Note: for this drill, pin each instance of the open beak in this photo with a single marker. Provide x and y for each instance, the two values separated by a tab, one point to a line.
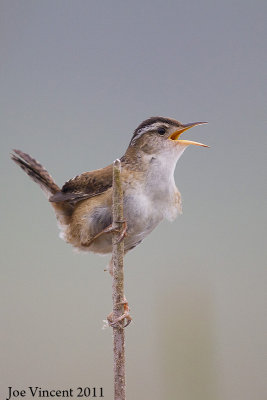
175	135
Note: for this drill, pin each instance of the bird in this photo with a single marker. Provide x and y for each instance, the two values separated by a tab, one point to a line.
83	206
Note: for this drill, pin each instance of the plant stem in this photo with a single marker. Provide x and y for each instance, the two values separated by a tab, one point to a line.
118	284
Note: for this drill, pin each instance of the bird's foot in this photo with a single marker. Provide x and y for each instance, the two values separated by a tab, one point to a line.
119	322
123	232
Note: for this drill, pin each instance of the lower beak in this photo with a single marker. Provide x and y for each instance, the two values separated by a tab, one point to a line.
175	135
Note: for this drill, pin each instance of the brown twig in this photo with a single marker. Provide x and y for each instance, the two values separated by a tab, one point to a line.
118	284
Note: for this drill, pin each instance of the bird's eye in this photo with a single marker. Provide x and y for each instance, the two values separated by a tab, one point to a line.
161	130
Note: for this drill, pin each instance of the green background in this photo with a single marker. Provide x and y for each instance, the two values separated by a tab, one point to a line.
77	77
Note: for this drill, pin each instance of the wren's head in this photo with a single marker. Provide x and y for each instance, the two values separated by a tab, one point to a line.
159	132
160	137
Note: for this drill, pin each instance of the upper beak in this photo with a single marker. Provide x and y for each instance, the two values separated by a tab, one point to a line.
175	135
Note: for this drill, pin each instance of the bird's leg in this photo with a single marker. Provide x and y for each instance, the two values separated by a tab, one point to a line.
126	315
91	240
109	229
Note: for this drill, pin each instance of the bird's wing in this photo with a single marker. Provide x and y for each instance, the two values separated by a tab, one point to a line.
84	186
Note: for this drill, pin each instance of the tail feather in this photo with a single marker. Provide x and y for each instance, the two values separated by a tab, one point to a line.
36	172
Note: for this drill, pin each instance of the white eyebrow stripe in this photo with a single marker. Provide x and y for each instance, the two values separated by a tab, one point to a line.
148	128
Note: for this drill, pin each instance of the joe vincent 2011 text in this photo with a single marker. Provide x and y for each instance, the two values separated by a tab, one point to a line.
35	391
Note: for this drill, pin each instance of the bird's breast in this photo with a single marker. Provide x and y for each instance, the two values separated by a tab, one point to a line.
144	209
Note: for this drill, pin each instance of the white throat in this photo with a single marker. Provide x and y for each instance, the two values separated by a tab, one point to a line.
160	184
161	169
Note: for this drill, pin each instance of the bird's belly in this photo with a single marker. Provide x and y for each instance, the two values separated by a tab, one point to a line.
140	214
140	222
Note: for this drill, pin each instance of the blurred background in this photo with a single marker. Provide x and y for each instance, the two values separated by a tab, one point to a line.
77	77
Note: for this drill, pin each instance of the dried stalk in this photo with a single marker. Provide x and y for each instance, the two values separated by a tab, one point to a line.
118	284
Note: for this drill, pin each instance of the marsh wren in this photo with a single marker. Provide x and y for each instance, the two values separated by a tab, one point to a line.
83	206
